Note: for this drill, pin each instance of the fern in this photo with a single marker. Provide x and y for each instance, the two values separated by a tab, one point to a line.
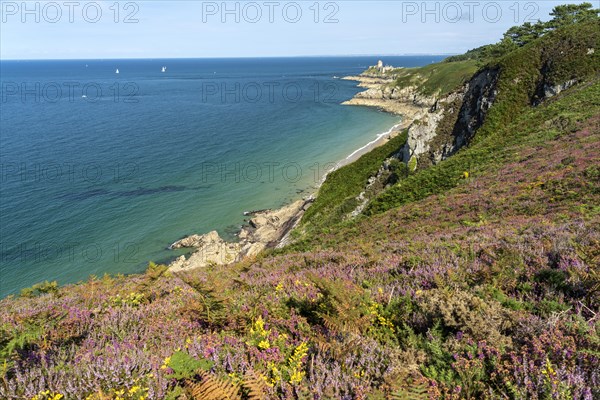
413	392
590	279
39	289
213	388
185	366
255	385
155	271
339	349
409	386
342	308
210	305
10	342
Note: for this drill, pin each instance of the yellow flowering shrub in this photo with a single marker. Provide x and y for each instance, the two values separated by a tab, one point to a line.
376	311
295	364
259	336
132	299
47	395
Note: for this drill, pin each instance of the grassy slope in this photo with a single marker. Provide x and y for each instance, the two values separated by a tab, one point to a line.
497	269
565	53
487	287
337	195
436	79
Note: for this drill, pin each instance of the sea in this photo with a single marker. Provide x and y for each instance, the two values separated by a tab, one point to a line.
104	163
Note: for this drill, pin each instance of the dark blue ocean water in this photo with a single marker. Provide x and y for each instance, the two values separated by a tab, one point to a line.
101	171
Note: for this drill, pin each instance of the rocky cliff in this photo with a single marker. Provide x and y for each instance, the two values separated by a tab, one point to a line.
438	126
266	229
479	95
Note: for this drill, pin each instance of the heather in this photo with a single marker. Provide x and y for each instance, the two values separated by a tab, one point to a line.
487	291
474	278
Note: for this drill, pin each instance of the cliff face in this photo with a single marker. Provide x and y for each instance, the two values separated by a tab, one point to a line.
438	126
423	145
452	121
479	97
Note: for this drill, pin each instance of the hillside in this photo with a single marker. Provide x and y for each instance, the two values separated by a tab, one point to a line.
488	103
471	271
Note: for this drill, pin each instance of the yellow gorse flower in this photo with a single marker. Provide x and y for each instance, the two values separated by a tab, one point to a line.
296	377
132	299
549	372
133	393
374	309
359	374
258	327
166	363
47	395
295	363
273	375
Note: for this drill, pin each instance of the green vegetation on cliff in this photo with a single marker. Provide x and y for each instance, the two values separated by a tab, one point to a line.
436	79
517	36
561	56
337	195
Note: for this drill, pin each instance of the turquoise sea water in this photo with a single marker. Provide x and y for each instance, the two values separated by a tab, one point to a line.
101	171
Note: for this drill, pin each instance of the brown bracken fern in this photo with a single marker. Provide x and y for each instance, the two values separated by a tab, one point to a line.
337	348
211	387
342	308
255	386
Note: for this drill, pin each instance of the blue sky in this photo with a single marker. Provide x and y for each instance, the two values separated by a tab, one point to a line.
172	29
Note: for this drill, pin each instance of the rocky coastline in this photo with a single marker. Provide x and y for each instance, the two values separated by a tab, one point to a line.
405	102
438	125
271	228
266	229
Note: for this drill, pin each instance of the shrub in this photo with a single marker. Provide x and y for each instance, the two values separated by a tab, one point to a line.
40	288
461	311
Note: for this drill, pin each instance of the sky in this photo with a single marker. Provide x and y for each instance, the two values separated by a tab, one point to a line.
105	29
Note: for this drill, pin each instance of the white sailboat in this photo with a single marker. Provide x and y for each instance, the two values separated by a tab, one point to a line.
164	69
117	71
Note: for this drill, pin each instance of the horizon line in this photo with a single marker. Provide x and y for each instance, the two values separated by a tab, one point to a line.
231	57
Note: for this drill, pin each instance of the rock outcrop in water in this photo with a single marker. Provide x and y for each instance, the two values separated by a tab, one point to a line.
266	229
